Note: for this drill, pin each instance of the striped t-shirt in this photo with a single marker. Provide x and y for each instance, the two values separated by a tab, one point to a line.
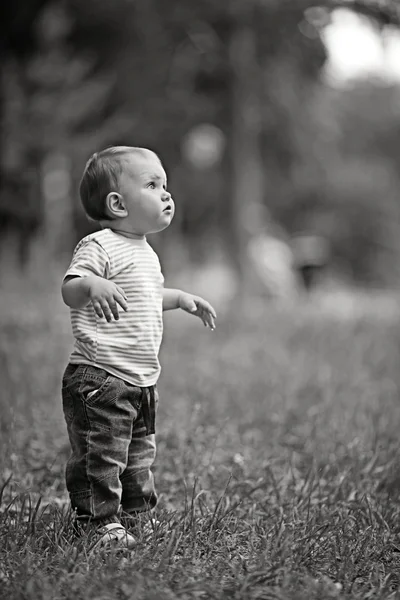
127	348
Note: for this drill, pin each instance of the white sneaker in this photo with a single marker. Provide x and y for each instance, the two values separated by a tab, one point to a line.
113	535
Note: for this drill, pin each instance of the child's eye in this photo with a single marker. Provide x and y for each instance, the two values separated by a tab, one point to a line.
152	185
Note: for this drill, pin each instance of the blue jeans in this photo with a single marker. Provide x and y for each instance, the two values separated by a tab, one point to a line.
111	430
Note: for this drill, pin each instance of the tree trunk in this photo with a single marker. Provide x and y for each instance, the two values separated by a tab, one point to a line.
246	167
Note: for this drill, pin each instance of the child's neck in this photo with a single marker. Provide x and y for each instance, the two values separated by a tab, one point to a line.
129	234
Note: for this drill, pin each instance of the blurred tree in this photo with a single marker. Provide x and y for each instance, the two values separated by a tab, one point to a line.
147	72
19	197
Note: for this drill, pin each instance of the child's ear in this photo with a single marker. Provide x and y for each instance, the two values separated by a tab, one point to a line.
115	206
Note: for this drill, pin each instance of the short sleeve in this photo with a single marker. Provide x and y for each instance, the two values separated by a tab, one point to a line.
89	258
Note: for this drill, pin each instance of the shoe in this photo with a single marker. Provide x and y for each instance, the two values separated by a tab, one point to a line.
112	535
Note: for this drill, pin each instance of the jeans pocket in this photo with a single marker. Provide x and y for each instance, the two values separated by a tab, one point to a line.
100	392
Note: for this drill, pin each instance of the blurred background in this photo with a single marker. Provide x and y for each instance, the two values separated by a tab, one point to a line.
277	121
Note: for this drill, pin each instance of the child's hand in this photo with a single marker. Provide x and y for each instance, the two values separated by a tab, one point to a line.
105	297
199	308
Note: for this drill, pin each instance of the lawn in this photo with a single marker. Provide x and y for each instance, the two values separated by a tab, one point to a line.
277	467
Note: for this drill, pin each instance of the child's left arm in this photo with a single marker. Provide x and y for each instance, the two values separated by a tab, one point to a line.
192	304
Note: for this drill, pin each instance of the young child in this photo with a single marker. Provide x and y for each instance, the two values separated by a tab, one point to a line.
109	386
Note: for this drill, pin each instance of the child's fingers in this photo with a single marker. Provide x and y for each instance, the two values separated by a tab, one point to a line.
113	308
208	316
102	309
122	300
206	306
210	322
97	308
106	307
122	292
208	319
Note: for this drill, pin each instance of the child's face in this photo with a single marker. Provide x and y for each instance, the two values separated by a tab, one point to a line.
143	187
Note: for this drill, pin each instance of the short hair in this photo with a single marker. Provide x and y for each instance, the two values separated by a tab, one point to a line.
101	176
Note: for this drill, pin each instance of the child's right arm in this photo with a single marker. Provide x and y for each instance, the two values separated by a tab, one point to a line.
78	292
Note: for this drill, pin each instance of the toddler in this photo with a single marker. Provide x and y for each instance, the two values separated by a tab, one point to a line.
114	288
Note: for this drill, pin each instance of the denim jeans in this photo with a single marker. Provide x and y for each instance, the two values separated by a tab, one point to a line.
111	430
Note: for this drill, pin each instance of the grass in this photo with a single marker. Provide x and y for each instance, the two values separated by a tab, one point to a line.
277	458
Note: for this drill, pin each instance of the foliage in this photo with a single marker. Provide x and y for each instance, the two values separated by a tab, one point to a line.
83	75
